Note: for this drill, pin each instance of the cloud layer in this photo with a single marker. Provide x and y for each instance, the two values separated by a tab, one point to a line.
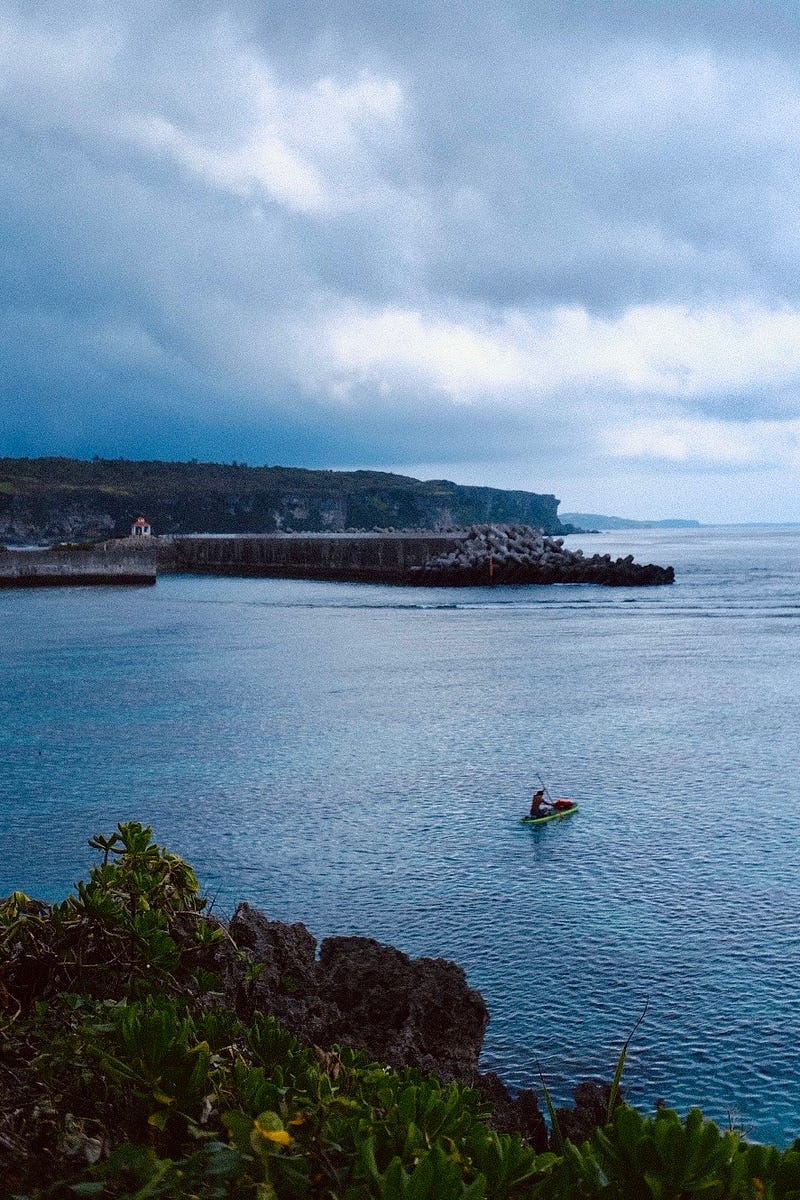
535	246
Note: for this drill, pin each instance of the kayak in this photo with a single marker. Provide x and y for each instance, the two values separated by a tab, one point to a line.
561	808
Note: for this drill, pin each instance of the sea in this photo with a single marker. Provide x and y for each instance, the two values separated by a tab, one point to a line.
358	758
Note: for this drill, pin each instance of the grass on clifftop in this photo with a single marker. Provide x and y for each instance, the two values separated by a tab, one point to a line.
123	1075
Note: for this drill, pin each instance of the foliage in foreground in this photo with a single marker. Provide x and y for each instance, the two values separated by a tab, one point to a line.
123	1076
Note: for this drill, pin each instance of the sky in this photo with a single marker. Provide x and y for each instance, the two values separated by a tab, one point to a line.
534	244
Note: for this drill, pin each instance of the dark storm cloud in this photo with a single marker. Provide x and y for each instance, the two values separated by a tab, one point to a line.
505	238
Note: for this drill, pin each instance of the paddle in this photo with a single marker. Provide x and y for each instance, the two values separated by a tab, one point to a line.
547	795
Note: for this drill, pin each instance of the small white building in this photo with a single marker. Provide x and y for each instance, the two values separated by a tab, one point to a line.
140	528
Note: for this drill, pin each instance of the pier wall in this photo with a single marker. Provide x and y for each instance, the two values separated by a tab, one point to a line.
480	556
477	557
107	563
377	558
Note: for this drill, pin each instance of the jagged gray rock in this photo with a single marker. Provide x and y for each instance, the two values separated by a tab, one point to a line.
359	992
516	554
403	1011
590	1110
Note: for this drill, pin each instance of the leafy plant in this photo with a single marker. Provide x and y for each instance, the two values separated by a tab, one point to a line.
666	1158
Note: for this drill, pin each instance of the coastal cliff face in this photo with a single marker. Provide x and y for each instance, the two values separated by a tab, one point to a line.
54	499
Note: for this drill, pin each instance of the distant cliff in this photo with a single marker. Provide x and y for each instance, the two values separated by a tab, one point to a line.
596	521
54	499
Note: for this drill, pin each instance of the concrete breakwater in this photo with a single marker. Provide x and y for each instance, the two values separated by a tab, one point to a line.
112	562
480	556
375	558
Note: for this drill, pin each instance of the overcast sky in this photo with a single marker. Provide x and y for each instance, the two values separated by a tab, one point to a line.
546	245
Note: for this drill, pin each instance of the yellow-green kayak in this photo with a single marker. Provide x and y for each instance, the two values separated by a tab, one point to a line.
561	809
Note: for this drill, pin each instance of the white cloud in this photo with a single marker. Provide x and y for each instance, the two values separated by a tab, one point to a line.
264	165
317	149
400	347
214	103
715	443
656	351
653	90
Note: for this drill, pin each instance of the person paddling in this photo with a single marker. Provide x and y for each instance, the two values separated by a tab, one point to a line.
538	806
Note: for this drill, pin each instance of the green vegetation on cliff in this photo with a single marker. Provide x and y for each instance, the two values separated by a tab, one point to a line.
122	1075
64	498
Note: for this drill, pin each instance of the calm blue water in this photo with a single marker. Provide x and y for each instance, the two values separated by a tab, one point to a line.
358	757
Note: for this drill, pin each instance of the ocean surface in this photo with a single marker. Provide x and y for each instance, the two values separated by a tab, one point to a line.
358	758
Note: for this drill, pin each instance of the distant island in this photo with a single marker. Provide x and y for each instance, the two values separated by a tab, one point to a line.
596	522
46	500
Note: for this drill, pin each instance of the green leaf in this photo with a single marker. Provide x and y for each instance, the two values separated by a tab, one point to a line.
366	1154
394	1183
612	1096
551	1112
239	1126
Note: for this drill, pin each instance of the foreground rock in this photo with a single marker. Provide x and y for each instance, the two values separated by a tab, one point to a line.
357	992
590	1111
514	554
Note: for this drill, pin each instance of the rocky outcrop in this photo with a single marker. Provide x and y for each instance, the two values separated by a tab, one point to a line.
403	1011
515	554
358	992
589	1111
518	1113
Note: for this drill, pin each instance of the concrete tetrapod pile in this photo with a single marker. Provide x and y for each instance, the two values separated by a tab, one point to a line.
521	554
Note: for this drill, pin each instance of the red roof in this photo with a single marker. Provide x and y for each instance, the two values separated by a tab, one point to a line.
140	521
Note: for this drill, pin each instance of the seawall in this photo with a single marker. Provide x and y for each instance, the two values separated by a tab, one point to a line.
115	562
477	557
480	556
376	558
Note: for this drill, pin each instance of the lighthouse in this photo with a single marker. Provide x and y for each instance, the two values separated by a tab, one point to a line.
140	528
